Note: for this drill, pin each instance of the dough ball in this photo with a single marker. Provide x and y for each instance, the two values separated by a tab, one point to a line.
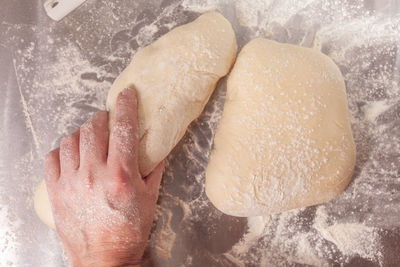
284	139
174	77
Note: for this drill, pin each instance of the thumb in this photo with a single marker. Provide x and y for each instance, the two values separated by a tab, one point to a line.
153	180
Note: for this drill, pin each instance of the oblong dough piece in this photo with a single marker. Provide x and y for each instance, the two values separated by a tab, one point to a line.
284	140
174	77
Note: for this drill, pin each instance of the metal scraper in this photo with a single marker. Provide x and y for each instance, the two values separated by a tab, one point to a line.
58	9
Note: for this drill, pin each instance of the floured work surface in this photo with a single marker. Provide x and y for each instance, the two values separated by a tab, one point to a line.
55	75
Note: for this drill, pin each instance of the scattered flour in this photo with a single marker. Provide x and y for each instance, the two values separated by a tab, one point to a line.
164	239
350	238
373	110
256	226
347	240
64	78
8	243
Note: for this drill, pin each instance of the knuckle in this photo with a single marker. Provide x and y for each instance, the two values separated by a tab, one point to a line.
117	186
124	131
123	137
119	182
124	124
88	180
97	123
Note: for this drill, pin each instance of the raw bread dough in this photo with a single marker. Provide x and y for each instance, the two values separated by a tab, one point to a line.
42	205
174	78
284	140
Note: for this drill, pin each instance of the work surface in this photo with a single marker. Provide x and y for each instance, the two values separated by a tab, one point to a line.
55	75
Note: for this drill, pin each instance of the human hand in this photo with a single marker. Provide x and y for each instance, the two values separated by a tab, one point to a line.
102	207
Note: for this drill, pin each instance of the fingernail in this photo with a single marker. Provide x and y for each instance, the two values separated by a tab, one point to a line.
127	92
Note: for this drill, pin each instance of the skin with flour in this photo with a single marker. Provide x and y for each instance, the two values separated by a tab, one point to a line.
284	140
174	78
102	206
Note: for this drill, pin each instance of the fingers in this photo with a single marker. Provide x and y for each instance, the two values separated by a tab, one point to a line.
153	180
52	167
93	140
69	152
124	137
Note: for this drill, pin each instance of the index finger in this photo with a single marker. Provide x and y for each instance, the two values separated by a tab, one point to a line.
124	134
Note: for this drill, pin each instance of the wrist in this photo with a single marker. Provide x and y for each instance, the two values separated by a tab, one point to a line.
106	250
112	258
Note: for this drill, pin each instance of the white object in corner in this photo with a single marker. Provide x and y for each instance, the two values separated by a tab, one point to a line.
57	9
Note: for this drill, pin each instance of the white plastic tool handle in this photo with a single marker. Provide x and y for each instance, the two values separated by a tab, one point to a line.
57	9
